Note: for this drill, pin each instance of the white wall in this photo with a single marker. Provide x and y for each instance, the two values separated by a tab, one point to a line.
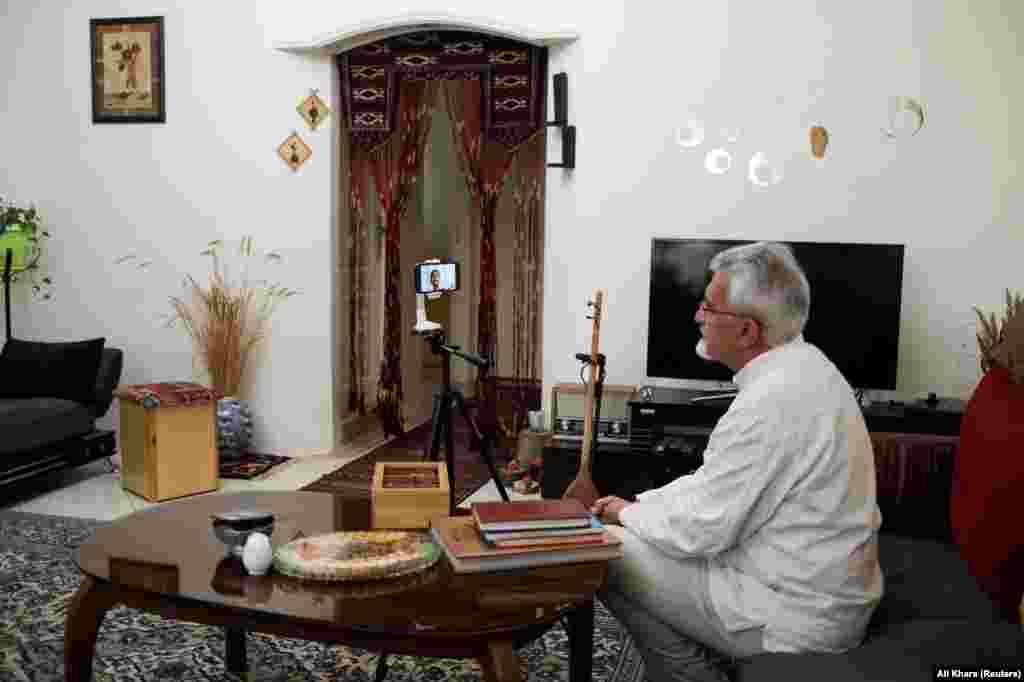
950	194
164	191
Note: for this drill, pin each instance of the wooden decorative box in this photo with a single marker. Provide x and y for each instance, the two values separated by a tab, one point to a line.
168	440
408	494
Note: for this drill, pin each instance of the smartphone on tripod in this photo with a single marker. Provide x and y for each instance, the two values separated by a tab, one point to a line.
433	276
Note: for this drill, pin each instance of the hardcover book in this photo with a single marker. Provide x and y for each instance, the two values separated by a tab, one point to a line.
552	541
460	540
524	515
595	528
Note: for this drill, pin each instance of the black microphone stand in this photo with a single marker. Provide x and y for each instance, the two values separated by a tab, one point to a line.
598	390
7	290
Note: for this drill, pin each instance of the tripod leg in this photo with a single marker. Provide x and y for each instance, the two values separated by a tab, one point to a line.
437	419
449	448
486	446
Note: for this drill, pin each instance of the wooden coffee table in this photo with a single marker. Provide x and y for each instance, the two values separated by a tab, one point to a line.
166	560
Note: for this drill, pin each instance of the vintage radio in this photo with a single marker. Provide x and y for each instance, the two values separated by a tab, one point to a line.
567	403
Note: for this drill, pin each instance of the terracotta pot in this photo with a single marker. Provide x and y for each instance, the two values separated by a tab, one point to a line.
988	489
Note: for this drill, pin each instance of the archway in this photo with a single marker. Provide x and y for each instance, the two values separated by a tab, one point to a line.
495	89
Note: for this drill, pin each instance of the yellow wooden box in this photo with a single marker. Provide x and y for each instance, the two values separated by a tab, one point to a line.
168	452
408	494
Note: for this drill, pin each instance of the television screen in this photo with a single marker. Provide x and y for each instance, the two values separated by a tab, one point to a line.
854	319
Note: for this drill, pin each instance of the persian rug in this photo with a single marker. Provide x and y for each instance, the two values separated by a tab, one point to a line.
471	473
38	578
249	465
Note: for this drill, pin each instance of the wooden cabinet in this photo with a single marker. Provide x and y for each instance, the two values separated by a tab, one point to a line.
168	452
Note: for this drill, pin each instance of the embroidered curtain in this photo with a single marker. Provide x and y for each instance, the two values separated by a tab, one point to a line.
484	165
527	196
359	172
395	166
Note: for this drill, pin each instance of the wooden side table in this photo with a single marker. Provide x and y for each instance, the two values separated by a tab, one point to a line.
168	440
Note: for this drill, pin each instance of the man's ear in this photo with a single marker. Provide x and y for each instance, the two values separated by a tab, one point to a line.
753	332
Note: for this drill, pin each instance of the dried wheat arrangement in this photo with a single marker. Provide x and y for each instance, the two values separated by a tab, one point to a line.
227	319
1001	341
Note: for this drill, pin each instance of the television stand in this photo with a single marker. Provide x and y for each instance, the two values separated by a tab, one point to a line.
674	412
668	434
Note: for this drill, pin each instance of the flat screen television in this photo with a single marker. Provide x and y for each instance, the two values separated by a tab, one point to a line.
854	318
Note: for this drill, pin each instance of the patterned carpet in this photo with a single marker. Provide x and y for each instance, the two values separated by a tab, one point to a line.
356	477
38	577
249	465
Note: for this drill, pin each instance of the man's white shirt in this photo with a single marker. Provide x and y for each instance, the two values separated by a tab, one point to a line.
783	508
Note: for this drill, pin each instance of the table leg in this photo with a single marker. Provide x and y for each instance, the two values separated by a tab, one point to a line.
501	664
81	626
234	650
581	642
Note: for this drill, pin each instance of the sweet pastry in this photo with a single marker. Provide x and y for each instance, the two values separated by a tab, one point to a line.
356	555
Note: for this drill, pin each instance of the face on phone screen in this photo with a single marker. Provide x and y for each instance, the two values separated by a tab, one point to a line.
436	277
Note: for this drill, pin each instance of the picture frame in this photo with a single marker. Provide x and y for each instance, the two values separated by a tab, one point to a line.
128	70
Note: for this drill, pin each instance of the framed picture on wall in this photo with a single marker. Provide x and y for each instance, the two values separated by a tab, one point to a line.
128	70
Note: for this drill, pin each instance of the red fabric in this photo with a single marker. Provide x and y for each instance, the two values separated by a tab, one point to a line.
527	263
484	166
169	394
395	167
359	174
987	506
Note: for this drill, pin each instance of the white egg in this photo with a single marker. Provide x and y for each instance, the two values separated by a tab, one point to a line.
258	554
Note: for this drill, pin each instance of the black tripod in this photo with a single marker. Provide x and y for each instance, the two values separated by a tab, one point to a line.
446	399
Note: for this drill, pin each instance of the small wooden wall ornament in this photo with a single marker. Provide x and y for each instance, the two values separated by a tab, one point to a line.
294	151
313	110
819	141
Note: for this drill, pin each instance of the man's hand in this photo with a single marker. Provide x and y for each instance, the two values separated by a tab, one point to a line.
607	508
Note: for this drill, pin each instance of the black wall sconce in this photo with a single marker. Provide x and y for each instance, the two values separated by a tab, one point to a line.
560	93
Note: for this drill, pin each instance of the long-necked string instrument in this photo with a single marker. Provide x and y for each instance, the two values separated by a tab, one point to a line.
582	487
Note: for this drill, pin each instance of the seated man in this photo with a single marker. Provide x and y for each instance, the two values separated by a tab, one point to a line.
771	545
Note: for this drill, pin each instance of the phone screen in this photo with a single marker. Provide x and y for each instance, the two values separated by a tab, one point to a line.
431	277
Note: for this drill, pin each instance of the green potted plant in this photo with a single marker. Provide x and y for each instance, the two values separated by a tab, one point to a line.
989	479
22	233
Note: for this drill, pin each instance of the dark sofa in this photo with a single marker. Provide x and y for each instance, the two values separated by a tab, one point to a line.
43	433
933	615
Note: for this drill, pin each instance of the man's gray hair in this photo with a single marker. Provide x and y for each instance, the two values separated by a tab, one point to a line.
767	282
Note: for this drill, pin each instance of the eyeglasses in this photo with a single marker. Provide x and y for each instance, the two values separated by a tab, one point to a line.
706	308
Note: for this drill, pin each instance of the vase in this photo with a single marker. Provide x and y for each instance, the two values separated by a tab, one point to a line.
234	426
987	489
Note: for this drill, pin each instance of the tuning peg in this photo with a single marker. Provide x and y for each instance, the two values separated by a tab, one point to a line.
590	317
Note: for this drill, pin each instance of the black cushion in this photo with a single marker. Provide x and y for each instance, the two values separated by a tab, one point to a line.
932	614
927	579
28	423
41	369
906	652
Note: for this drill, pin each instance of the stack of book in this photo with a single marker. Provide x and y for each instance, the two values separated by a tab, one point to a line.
506	535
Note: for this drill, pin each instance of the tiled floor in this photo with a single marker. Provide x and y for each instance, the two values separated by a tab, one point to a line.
94	491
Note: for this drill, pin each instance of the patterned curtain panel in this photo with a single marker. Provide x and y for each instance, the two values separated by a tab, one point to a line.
359	172
395	166
484	165
527	195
